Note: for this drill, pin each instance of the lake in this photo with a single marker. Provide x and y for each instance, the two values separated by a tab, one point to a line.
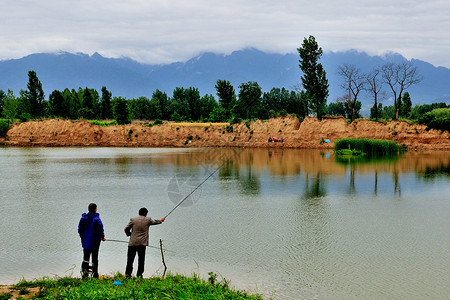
291	224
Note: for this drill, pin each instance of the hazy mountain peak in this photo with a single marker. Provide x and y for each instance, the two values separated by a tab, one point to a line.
128	78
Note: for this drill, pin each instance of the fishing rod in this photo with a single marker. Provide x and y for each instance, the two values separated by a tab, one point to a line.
179	203
119	241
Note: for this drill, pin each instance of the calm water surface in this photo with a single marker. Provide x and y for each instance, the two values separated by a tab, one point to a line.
292	224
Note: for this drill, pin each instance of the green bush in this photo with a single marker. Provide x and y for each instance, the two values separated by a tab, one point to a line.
103	123
438	118
368	146
157	122
25	117
4	127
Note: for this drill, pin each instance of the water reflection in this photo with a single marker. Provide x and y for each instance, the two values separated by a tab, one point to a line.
294	220
314	186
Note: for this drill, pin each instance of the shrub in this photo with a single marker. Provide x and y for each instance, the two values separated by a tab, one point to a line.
103	123
25	117
368	146
4	127
157	122
437	119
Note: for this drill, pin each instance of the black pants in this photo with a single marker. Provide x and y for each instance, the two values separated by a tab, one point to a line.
85	264
130	260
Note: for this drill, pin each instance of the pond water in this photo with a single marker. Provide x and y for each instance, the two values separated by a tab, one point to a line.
289	224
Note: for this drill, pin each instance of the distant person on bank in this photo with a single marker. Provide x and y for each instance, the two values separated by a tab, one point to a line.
137	229
90	229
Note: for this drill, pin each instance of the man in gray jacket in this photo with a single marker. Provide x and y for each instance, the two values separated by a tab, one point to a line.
137	230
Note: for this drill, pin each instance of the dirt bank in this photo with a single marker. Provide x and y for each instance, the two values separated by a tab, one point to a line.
296	134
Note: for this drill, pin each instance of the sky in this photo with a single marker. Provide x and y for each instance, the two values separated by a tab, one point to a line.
166	31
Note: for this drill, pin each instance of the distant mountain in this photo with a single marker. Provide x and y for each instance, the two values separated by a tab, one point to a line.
130	79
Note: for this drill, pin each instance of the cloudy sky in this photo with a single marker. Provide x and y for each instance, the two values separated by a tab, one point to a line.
165	31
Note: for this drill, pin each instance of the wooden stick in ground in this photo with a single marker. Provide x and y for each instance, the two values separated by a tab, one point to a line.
162	256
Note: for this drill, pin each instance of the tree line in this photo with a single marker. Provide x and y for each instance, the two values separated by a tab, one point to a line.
248	102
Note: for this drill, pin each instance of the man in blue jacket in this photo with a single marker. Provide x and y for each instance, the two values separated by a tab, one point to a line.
91	233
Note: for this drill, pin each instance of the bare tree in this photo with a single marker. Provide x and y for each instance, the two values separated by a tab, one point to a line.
354	83
374	87
400	77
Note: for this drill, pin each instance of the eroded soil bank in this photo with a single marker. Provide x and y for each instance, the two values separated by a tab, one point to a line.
296	134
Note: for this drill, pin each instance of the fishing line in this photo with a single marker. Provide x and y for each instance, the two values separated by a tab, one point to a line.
119	241
179	203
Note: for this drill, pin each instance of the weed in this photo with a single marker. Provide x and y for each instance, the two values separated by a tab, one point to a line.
5	296
171	287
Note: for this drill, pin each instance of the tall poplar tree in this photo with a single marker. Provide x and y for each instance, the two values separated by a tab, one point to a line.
34	95
314	77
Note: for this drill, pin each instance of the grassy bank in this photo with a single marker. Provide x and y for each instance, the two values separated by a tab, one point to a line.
119	287
369	147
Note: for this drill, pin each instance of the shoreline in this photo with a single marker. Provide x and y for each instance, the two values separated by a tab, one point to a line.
289	129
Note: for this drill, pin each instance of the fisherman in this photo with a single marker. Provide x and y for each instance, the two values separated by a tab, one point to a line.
90	229
137	229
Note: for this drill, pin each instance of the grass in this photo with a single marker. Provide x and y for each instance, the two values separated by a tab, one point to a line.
103	123
170	287
369	147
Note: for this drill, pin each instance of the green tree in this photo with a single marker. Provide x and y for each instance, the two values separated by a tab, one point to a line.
140	108
405	109
89	99
2	100
160	105
336	109
207	104
56	101
249	100
388	112
314	77
419	110
121	112
11	106
105	104
34	96
227	96
192	96
179	104
376	111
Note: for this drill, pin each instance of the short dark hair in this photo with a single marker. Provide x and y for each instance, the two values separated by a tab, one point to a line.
92	207
143	211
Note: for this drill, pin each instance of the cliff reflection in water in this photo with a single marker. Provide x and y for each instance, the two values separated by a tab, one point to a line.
318	170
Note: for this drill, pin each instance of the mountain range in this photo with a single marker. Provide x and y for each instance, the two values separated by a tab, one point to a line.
128	78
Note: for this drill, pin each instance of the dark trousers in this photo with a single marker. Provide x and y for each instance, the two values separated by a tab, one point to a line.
132	250
87	253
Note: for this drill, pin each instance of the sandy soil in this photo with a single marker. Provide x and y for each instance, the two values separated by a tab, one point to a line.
296	134
26	293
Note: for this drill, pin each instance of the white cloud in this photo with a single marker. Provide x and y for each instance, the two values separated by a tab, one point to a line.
170	30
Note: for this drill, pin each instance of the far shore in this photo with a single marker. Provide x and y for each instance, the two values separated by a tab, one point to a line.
281	132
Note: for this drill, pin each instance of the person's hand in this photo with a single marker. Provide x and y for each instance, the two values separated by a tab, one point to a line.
162	219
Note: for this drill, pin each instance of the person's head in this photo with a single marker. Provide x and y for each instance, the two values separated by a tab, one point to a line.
143	211
92	207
